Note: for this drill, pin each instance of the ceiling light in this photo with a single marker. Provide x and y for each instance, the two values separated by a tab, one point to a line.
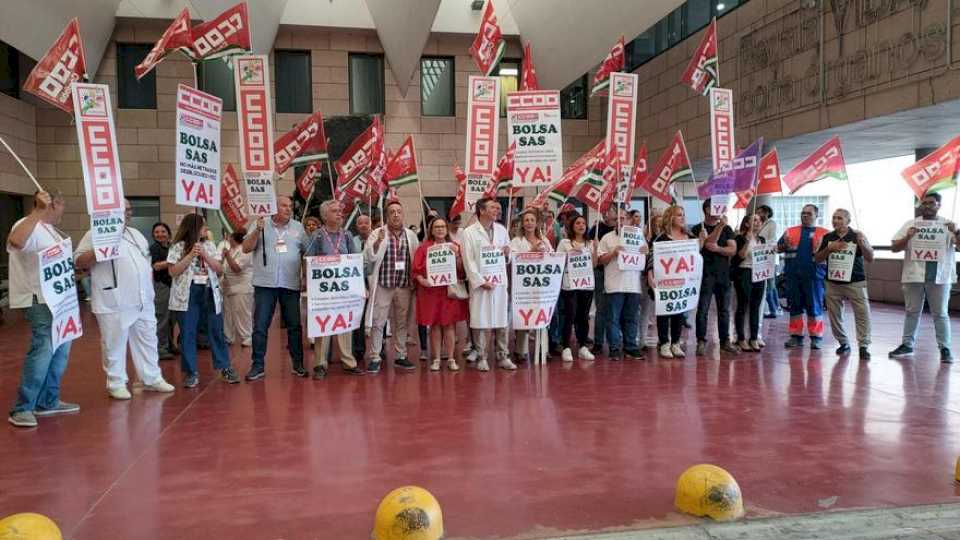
721	6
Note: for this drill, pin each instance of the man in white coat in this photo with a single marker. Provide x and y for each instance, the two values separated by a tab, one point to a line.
489	301
122	291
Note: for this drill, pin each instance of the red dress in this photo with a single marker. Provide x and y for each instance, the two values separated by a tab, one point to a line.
434	307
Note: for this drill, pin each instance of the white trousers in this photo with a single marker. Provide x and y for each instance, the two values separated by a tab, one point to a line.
139	328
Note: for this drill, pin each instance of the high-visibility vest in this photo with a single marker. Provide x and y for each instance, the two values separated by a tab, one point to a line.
793	235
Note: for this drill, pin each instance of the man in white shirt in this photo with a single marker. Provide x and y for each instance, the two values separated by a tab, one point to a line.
39	392
623	289
489	302
929	279
122	291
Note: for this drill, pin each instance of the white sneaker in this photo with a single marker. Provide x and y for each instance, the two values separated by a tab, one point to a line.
585	354
567	355
452	365
435	365
119	392
665	351
471	356
506	364
483	366
677	351
161	386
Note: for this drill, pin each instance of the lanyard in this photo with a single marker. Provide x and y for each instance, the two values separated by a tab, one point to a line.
336	247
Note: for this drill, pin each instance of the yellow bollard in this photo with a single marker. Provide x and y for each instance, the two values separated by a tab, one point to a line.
408	513
708	490
29	526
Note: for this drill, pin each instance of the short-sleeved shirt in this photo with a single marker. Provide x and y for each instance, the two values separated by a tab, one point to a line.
25	265
122	283
158	253
325	242
285	246
858	273
713	262
919	271
180	289
616	280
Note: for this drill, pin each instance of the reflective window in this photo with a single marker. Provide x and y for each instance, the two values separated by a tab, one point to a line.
366	84
437	87
215	77
294	81
131	93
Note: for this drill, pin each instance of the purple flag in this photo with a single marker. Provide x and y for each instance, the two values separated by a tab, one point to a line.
741	175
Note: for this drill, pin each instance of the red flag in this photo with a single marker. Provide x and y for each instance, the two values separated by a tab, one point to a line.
232	205
487	48
308	178
936	171
61	66
401	168
826	161
703	72
600	182
365	156
304	143
673	166
228	33
176	36
563	187
458	202
528	75
641	171
613	62
611	175
768	179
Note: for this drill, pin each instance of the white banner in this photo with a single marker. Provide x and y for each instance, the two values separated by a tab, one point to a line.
251	76
198	148
722	144
930	242
441	265
622	123
630	258
677	271
536	279
59	290
579	270
102	182
840	263
764	258
335	294
483	123
533	123
493	265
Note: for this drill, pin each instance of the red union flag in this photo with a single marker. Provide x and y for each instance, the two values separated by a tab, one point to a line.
483	122
641	170
562	188
613	62
176	36
306	142
458	203
673	166
308	178
702	72
232	206
621	122
487	48
768	179
402	166
364	157
62	65
528	75
721	128
599	181
934	172
228	33
826	161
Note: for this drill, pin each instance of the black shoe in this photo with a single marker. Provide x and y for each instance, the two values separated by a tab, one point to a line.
901	352
864	353
815	344
355	370
614	355
844	349
229	376
319	372
300	372
635	354
403	363
255	374
597	350
520	358
555	349
373	367
946	357
190	381
793	343
770	316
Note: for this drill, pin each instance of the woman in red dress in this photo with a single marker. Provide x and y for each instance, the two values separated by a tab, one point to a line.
434	308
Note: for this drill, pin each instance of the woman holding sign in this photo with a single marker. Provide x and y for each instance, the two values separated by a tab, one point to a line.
576	291
529	238
750	293
436	266
669	327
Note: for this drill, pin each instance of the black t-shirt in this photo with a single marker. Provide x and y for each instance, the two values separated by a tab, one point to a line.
858	273
713	262
158	253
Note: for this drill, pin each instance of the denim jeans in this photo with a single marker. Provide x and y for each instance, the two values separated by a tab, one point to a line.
939	298
623	312
772	297
264	303
714	287
600	313
43	367
200	304
556	323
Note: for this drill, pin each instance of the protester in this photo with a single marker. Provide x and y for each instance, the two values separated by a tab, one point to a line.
769	234
928	281
310	225
489	302
853	289
391	287
576	303
635	218
804	278
196	289
669	327
623	289
530	239
161	289
718	246
238	292
39	392
362	227
598	231
277	244
750	294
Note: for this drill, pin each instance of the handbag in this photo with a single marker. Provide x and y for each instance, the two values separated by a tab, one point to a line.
457	291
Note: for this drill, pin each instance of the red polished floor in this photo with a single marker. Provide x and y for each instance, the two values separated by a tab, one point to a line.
509	455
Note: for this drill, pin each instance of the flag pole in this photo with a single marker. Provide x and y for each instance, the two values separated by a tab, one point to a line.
24	167
853	204
329	170
423	201
306	206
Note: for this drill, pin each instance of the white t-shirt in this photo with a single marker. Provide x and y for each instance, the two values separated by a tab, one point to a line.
133	287
915	271
616	280
25	265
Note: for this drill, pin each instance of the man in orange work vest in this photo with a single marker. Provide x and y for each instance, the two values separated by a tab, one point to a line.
804	282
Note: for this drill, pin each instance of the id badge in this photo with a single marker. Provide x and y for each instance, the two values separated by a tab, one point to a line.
399	266
200	279
281	247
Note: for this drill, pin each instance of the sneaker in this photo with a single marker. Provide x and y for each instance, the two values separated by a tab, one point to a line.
255	374
901	352
634	354
298	371
755	345
160	386
119	393
793	342
614	355
165	355
423	356
520	358
946	357
482	365
23	419
744	345
701	348
62	408
566	355
729	347
229	376
403	363
470	356
319	372
452	365
864	353
435	365
815	343
761	343
355	370
843	349
506	364
677	351
665	351
373	366
190	381
585	354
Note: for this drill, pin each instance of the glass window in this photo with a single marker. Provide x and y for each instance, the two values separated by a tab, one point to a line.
699	13
675	26
9	70
215	77
660	33
641	49
724	6
131	93
573	100
437	87
509	73
146	212
294	82
366	84
786	210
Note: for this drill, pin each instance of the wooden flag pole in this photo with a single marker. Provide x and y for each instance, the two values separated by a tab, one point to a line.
306	206
24	167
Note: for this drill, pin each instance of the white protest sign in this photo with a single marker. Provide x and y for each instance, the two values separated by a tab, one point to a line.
536	279
533	123
441	265
107	233
198	148
579	276
483	121
764	258
59	290
840	263
335	294
677	271
930	242
493	265
630	258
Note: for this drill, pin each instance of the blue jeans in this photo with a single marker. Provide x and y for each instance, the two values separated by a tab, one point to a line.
201	305
43	367
264	303
938	296
556	323
623	319
772	297
600	314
